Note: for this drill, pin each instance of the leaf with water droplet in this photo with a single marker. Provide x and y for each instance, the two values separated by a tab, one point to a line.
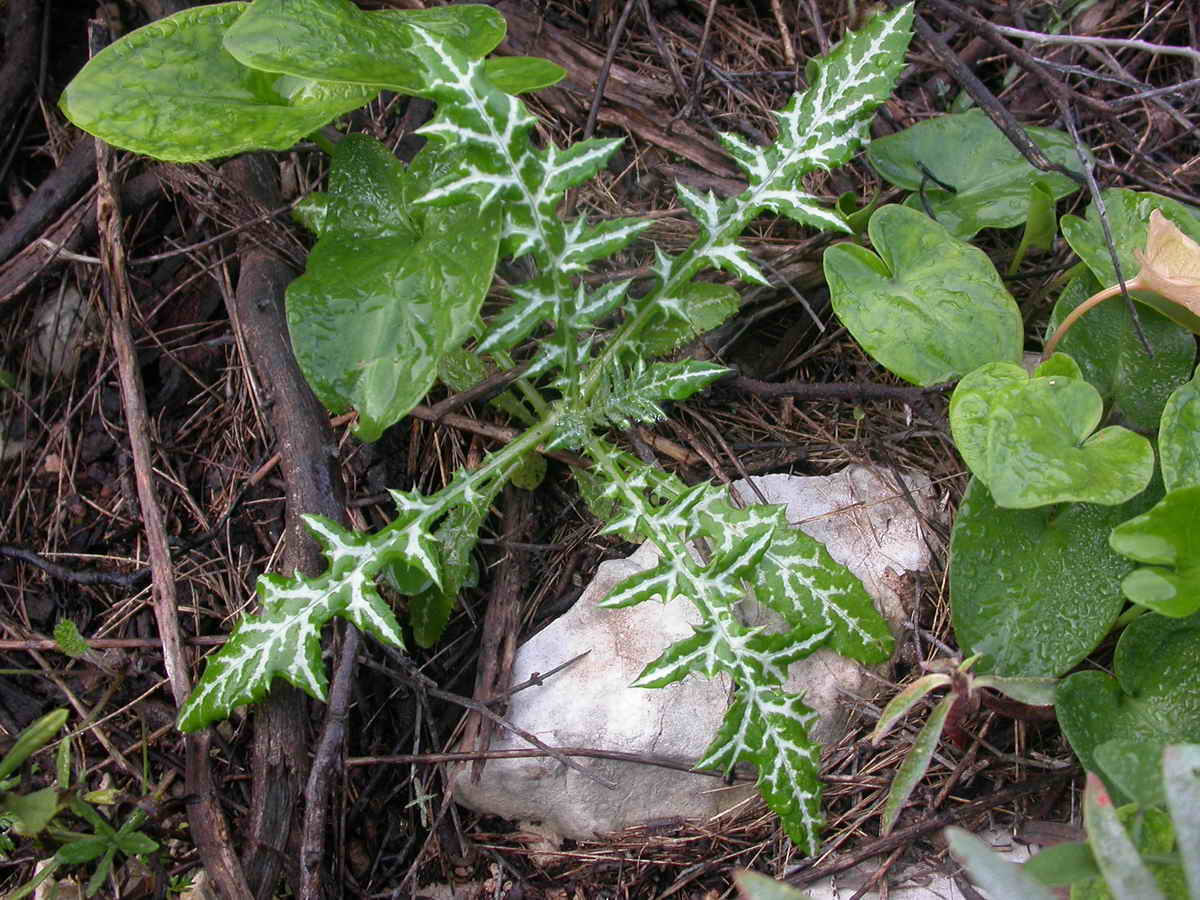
1166	540
390	285
1179	436
991	179
929	307
1154	698
1035	589
171	91
1031	440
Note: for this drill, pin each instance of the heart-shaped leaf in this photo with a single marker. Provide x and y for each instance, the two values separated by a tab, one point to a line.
1152	699
1129	214
390	286
929	307
1167	540
991	179
1030	440
1111	355
171	91
1179	436
1036	590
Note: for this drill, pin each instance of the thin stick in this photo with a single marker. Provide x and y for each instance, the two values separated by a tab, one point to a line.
205	815
1125	43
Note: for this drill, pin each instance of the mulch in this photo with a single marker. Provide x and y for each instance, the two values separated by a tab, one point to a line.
238	448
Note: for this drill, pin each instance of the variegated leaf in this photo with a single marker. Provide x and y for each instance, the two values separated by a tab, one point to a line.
285	639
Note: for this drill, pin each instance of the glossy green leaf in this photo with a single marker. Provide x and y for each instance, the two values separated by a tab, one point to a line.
1179	435
1041	225
1112	358
169	90
32	739
1036	590
1125	875
1129	218
520	74
1030	440
992	872
1063	864
991	178
915	764
1154	699
334	40
389	287
929	307
1167	539
1181	776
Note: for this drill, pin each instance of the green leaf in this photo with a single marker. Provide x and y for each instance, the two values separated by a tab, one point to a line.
929	308
169	90
1129	219
992	180
1138	774
389	288
753	886
1112	358
521	74
1153	700
429	609
899	705
82	851
69	640
135	843
1181	776
1063	864
1124	872
1168	540
1033	691
696	308
32	739
1179	435
333	40
284	640
915	764
991	872
1030	440
1040	227
1036	590
30	813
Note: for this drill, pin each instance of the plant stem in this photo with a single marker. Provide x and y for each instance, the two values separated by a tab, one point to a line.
1078	312
1127	617
326	145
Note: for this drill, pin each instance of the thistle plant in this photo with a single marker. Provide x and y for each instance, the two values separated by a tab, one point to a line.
482	183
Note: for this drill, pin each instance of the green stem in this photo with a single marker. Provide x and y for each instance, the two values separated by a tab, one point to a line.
1127	617
326	145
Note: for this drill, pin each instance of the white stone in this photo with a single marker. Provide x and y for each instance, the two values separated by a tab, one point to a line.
61	329
591	704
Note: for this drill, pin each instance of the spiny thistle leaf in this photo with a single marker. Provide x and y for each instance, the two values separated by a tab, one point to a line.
753	552
285	639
